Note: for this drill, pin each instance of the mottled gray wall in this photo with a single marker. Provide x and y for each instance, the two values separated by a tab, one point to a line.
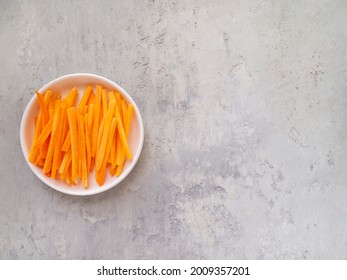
244	108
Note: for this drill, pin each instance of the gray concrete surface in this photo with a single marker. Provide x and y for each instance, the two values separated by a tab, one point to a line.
244	106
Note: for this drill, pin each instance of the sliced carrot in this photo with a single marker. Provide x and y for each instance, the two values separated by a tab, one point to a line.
64	121
92	163
114	143
105	135
104	102
96	122
85	110
84	99
67	142
51	106
100	175
47	96
100	133
65	164
68	175
91	98
44	148
44	111
82	151
113	170
34	148
71	97
122	135
127	122
90	116
81	146
44	133
48	162
39	161
71	114
124	110
57	149
64	130
113	151
111	95
119	100
88	147
119	149
35	151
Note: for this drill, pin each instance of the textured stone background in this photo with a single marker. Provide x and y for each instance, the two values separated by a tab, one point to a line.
244	108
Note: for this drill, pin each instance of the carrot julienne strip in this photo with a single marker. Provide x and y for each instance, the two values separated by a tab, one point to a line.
122	135
44	133
44	111
65	164
100	175
88	147
48	162
105	135
104	102
82	151
96	120
71	97
84	99
127	122
71	114
67	142
57	150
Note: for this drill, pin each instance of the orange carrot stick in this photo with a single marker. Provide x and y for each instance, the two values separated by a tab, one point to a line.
57	149
33	148
67	142
44	133
56	120
119	105
88	147
113	151
71	114
82	151
64	121
100	175
111	95
44	148
91	98
51	105
124	110
113	170
71	97
44	111
84	99
47	96
105	135
90	117
122	135
127	122
104	102
100	133
96	122
65	164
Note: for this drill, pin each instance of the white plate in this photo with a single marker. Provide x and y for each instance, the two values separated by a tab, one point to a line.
63	85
